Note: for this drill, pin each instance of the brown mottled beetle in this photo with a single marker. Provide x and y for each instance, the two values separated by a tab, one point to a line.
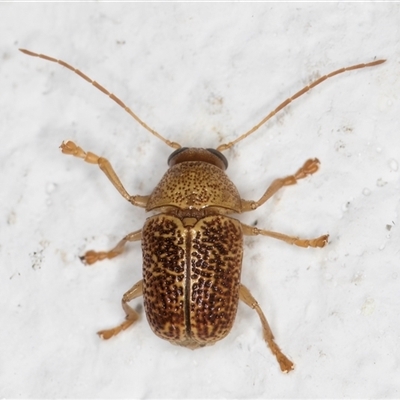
192	248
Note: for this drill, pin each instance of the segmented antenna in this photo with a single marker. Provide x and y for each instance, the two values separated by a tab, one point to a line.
227	146
105	91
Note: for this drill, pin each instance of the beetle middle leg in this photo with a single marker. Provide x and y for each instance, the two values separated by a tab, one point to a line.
317	242
131	315
285	364
309	167
72	149
91	256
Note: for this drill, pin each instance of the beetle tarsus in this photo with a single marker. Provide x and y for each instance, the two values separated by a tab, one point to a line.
90	257
310	167
131	315
109	333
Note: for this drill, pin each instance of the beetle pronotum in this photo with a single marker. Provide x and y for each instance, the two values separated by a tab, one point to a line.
192	250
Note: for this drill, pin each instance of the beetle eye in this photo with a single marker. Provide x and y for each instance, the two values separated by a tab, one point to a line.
220	156
175	153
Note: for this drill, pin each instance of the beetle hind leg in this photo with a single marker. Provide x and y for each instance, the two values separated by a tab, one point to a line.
285	364
91	256
131	315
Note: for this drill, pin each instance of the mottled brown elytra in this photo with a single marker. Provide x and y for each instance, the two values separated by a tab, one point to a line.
192	249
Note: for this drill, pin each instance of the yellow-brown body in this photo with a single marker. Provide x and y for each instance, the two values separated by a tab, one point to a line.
192	252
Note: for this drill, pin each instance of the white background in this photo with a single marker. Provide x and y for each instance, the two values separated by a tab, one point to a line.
201	74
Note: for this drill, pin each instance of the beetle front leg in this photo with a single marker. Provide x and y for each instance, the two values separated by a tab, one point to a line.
131	315
72	149
310	167
318	242
91	256
285	364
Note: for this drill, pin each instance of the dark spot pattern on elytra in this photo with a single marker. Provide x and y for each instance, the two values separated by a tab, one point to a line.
216	264
191	277
163	274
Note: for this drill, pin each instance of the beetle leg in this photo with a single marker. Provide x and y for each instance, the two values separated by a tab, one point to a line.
310	167
72	149
91	256
285	364
131	315
318	242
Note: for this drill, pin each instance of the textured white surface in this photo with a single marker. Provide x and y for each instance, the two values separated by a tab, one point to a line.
201	74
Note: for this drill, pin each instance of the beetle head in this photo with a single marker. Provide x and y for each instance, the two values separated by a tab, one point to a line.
210	156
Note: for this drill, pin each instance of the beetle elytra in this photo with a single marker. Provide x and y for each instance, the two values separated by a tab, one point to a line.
192	248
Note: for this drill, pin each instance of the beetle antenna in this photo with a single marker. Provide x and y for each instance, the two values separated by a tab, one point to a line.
105	91
227	146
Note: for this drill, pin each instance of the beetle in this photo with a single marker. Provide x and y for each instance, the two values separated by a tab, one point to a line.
192	248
